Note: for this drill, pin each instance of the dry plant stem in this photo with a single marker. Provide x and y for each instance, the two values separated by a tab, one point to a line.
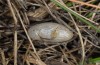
26	54
41	12
65	57
85	43
76	49
81	40
25	18
89	41
27	33
49	10
38	62
39	52
71	56
30	59
15	48
38	1
92	43
3	57
29	38
38	58
87	18
91	51
92	36
94	13
79	14
82	3
57	18
27	62
15	32
74	6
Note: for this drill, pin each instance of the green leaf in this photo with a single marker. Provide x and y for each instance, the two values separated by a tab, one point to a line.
69	4
94	60
89	15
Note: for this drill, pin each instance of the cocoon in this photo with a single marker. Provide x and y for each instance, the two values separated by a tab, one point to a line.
50	32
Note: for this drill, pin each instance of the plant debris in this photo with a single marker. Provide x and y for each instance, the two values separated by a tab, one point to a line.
17	48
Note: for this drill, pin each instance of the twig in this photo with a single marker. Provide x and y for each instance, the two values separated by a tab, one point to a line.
15	32
81	40
82	3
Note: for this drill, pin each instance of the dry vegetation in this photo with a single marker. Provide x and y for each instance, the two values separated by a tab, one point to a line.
16	47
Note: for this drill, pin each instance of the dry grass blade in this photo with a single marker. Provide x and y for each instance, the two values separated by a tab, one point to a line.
15	32
85	3
81	39
42	12
37	56
69	63
3	57
94	13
